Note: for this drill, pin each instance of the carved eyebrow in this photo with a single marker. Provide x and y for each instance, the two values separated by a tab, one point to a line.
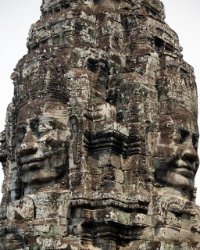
53	122
34	119
183	129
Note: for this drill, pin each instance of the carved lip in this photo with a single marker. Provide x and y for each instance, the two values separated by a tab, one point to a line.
186	170
31	164
29	159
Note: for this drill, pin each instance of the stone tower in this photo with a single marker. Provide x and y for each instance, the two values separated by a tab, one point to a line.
100	144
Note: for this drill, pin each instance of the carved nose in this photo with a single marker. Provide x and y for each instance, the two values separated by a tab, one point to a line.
27	148
28	145
189	153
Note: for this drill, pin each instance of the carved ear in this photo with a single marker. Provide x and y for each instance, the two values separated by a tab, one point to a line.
74	126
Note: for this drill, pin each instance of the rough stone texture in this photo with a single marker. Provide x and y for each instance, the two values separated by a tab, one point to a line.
100	144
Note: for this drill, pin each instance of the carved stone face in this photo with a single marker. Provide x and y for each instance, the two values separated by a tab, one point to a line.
177	150
42	142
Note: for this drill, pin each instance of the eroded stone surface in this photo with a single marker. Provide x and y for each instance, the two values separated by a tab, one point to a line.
100	144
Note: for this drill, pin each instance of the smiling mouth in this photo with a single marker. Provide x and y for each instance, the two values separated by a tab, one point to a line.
185	171
32	165
29	159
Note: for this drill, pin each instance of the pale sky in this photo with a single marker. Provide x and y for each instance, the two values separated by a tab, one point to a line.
16	17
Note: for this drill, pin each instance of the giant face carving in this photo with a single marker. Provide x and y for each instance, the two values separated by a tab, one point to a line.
42	142
177	150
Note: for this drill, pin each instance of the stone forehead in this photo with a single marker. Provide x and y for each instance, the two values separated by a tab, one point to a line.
42	107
